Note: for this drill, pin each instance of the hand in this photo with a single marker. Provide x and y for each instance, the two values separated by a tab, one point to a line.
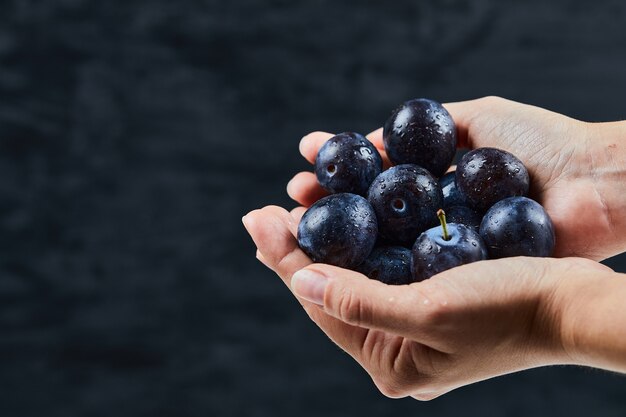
492	317
422	340
578	169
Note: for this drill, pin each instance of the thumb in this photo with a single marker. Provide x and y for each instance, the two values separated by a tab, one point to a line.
467	113
355	299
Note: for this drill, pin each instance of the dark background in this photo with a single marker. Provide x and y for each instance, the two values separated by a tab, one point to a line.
133	137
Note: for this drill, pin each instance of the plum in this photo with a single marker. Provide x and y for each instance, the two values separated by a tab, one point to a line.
517	226
347	163
421	132
406	199
339	229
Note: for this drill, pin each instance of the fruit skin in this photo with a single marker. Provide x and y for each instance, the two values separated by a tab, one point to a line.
339	229
452	196
432	254
517	226
347	163
464	215
421	132
488	175
388	264
406	199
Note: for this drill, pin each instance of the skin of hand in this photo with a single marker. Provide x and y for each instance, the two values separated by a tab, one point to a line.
464	325
488	318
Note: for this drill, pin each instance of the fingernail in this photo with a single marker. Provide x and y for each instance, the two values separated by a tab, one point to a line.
244	220
289	186
301	144
309	285
260	257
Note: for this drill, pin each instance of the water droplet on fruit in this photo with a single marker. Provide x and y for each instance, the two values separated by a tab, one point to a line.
365	151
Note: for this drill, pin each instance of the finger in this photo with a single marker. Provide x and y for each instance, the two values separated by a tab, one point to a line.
356	300
311	144
304	189
260	257
462	113
376	137
481	115
297	213
273	230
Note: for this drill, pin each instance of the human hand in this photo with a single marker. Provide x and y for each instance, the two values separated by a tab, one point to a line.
578	169
464	325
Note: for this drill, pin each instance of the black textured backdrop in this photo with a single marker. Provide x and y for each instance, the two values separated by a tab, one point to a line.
135	134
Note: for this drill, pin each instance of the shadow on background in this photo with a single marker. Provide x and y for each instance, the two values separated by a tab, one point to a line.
133	137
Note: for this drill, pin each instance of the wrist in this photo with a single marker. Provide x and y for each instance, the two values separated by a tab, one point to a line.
606	144
591	321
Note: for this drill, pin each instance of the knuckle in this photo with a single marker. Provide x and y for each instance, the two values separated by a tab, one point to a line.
351	308
404	384
435	315
490	100
391	387
436	299
427	396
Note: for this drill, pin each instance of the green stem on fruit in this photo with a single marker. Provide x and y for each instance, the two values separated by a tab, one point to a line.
442	219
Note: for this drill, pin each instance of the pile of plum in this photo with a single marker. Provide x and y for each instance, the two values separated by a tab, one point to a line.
414	220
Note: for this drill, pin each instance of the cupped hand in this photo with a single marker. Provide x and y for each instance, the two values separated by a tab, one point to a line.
487	318
572	166
422	340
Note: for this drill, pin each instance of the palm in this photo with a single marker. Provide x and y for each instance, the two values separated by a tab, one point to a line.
555	152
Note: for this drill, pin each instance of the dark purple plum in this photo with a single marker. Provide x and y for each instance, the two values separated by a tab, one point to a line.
451	194
347	163
339	229
445	247
488	175
406	199
464	215
517	226
421	132
388	264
